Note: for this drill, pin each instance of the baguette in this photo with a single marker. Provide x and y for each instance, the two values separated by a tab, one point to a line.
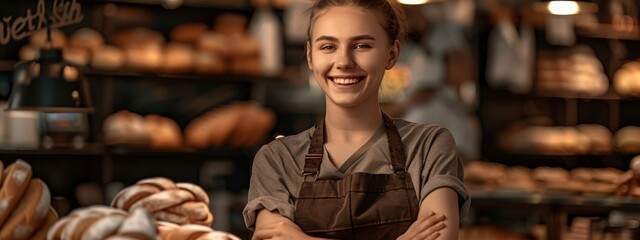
15	183
29	213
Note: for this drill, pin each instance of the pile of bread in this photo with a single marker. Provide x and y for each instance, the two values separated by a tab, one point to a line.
557	140
154	208
226	47
575	71
536	136
25	203
239	125
491	176
626	80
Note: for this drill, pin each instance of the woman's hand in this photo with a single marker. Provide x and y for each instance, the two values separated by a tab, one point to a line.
425	227
280	230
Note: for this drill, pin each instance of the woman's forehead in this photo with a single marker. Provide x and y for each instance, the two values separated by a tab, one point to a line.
345	22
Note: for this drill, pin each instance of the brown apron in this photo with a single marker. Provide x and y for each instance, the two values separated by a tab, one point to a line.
361	205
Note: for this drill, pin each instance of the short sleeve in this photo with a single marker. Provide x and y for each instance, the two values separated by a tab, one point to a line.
443	168
267	190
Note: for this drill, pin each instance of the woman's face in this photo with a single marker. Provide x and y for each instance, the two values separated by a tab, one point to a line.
348	53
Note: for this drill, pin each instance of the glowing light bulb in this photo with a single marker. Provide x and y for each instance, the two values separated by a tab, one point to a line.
563	7
413	2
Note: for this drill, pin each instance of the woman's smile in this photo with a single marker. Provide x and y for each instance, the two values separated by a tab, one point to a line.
346	81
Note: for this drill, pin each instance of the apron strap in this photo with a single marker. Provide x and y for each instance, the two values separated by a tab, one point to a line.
313	158
396	151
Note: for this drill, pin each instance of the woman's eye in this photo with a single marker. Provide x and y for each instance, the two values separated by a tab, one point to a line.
327	47
361	46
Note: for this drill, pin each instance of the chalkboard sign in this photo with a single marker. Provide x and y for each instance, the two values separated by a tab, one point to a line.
19	19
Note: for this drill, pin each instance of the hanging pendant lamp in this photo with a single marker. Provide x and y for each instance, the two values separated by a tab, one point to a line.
49	84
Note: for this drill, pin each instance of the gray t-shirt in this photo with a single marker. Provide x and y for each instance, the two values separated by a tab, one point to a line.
431	160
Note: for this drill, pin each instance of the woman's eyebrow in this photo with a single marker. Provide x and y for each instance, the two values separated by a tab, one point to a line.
354	38
327	38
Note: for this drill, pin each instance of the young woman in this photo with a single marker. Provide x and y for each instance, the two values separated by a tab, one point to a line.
357	174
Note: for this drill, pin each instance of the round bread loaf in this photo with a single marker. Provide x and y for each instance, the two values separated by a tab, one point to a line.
627	139
216	43
39	39
163	132
178	58
188	32
138	37
182	203
170	231
230	24
108	58
77	55
88	39
125	127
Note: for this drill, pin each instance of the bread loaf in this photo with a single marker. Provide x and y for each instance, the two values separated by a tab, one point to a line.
188	32
627	139
15	182
49	220
39	39
125	127
163	132
87	39
178	58
100	222
169	231
29	213
108	58
241	124
180	203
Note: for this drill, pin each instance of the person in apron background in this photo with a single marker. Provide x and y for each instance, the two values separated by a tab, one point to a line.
357	174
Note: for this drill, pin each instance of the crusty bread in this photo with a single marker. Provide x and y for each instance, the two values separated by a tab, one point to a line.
29	213
16	180
180	203
41	232
170	231
99	222
187	32
164	199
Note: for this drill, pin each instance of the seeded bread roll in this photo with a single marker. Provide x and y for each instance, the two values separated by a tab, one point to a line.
15	182
181	203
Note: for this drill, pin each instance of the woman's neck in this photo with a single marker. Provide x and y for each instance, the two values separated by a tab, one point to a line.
353	123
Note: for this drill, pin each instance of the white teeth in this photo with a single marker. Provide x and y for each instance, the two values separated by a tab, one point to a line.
346	80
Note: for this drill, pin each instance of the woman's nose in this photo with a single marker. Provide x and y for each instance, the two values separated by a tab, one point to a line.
345	59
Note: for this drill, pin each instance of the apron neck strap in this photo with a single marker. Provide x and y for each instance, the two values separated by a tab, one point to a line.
313	159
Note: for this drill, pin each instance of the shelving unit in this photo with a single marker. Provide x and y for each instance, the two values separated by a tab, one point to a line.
500	107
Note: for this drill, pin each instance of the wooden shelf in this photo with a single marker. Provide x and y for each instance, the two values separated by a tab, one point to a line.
607	31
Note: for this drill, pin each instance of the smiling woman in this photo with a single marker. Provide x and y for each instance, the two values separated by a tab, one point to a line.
357	174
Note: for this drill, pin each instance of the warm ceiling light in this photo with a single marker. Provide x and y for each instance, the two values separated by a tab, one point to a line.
563	7
413	2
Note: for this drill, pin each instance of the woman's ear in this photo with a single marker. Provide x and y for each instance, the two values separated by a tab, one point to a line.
308	46
394	54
